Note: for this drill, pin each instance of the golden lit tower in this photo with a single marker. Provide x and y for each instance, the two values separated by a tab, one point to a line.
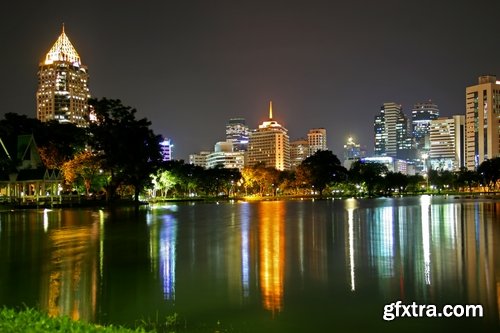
63	91
270	144
482	119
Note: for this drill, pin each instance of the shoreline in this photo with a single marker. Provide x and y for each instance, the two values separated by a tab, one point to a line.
130	203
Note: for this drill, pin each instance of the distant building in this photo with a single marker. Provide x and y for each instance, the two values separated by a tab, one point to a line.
225	156
447	143
199	159
392	132
237	132
392	164
63	90
421	117
269	144
316	139
299	151
352	152
166	148
481	121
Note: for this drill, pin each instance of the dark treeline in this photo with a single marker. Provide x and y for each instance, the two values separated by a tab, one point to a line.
118	155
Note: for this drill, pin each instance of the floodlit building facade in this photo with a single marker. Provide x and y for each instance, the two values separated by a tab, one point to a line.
237	132
391	131
225	156
299	151
166	149
447	143
199	159
316	139
270	144
482	121
63	90
421	116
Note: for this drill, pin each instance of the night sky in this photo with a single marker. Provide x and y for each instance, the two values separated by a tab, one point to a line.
189	66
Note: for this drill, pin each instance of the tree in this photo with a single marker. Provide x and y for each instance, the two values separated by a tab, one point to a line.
84	165
129	149
467	178
323	168
371	174
163	181
489	171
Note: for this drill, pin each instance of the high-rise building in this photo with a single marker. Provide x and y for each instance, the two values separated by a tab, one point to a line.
317	140
225	156
63	90
391	129
269	144
166	148
199	159
421	117
299	151
482	121
237	132
447	143
352	152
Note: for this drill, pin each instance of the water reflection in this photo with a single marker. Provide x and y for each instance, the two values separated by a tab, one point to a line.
285	257
272	254
162	248
70	278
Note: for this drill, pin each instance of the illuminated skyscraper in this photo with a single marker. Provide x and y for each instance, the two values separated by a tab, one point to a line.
299	151
447	136
63	91
421	117
237	132
392	135
482	118
317	140
270	144
166	148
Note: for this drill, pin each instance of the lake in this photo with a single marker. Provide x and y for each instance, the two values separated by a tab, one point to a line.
266	266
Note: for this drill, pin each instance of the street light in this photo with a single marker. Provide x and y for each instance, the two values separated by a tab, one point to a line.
425	156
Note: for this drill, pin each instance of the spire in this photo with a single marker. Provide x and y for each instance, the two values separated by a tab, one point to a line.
270	110
62	50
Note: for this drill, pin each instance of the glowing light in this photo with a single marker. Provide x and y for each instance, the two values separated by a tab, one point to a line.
272	254
63	50
425	201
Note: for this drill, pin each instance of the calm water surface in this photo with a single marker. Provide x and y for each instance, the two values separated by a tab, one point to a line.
273	266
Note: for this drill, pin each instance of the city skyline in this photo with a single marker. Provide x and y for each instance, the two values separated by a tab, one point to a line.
189	67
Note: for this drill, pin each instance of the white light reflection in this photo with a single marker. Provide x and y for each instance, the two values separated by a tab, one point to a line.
45	220
245	250
101	243
425	202
350	221
168	240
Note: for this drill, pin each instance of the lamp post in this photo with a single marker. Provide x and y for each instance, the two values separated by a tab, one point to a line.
425	156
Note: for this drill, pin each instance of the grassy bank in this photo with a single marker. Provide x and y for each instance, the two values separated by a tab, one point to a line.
29	320
34	321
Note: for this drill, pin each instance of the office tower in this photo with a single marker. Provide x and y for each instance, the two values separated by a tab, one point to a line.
447	138
421	117
352	152
225	156
299	151
317	140
269	144
63	91
391	130
482	117
166	148
199	159
237	132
